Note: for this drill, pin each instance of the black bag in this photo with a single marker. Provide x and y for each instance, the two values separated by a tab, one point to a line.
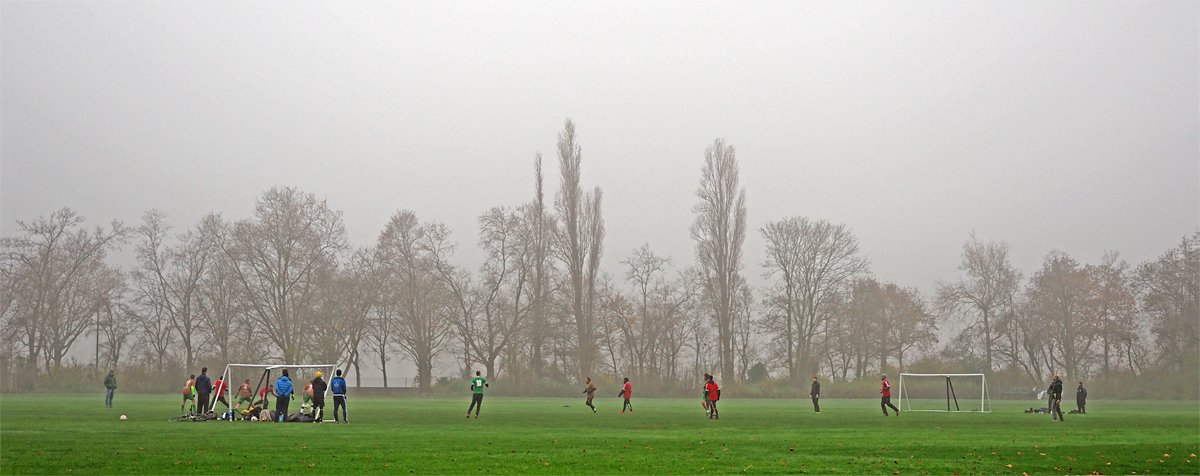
298	418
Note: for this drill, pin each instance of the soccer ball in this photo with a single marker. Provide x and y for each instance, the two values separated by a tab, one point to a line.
253	418
123	418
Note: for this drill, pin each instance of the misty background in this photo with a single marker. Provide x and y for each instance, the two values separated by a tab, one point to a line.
1047	126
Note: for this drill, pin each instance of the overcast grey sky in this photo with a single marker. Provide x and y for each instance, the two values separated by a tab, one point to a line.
1047	124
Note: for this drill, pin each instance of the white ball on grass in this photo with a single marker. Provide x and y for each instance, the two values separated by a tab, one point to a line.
253	418
123	418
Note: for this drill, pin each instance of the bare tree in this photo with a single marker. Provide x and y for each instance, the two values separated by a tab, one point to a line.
580	241
1116	305
1169	293
117	326
415	299
811	262
171	276
986	292
492	315
279	256
222	306
540	241
719	231
56	280
911	325
1060	294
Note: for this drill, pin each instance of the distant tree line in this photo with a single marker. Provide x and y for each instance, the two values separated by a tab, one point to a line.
285	285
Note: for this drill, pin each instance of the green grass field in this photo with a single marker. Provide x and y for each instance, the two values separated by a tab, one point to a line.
77	435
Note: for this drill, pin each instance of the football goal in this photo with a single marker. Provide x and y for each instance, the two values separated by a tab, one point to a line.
926	391
261	375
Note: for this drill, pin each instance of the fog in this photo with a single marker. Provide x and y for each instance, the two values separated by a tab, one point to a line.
1049	125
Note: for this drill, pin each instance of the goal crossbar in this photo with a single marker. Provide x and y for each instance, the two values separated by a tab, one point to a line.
985	400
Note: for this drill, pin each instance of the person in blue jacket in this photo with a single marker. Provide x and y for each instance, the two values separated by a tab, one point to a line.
283	390
338	386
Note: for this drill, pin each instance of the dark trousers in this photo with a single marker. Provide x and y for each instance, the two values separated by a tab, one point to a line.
627	405
202	402
222	400
476	403
281	407
816	404
887	402
339	401
589	404
318	407
712	408
108	397
1056	410
1082	404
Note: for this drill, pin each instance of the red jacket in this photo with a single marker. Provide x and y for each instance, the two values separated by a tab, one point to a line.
714	391
628	390
886	389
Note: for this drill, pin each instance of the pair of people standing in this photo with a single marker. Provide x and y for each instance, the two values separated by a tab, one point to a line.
197	389
284	394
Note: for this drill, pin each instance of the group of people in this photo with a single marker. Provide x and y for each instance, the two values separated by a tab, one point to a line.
1055	392
199	389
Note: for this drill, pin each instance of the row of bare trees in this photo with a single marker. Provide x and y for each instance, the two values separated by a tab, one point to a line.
285	285
1077	319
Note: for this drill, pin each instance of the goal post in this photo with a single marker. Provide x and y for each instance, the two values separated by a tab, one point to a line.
262	373
937	386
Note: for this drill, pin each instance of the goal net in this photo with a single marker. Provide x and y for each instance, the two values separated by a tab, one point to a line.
944	393
260	376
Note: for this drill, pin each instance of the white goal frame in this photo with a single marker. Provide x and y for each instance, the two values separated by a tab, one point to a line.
227	374
985	397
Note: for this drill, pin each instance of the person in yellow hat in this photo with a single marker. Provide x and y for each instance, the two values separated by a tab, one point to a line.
318	397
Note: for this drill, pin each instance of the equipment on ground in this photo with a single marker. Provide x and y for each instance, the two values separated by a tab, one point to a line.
123	418
930	386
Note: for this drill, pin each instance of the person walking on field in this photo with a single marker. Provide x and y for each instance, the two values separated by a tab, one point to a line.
1056	413
338	385
203	389
627	392
886	392
1080	398
714	394
110	383
591	393
815	393
318	398
283	391
477	385
189	393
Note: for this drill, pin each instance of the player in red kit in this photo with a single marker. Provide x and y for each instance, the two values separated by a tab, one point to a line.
886	391
714	394
627	392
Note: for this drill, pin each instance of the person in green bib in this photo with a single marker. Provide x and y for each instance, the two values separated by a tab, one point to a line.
477	385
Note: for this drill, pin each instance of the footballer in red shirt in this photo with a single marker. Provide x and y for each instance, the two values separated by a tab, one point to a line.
714	394
886	401
627	392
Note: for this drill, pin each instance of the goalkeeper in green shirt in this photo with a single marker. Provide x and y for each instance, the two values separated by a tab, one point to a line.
477	385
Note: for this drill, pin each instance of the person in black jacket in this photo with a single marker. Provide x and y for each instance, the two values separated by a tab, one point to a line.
204	387
815	393
1081	398
318	398
1056	413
